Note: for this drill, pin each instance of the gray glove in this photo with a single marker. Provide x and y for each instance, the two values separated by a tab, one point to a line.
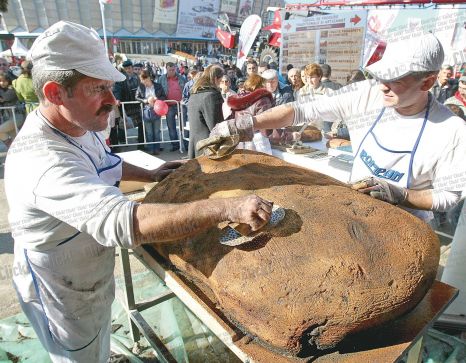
226	135
382	190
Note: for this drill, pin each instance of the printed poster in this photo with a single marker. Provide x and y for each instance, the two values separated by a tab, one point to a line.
165	11
197	18
242	10
229	7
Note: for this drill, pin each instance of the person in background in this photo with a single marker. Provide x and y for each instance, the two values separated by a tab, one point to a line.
254	100
314	88
147	93
24	88
326	74
312	80
240	84
125	91
225	88
137	68
281	95
445	86
204	106
459	99
281	79
356	75
231	73
294	77
7	98
5	69
193	74
173	88
251	68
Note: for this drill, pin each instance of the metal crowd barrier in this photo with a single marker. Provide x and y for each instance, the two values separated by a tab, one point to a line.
12	110
179	126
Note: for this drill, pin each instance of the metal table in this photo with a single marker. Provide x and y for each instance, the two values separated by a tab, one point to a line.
387	343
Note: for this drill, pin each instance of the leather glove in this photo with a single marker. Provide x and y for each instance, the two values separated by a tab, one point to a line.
226	135
382	190
217	147
242	125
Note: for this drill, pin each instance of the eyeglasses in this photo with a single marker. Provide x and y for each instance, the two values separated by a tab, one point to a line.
3	64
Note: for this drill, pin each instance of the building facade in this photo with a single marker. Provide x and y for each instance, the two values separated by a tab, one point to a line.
141	27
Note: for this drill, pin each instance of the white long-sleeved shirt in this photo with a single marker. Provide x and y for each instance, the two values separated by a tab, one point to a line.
439	160
53	191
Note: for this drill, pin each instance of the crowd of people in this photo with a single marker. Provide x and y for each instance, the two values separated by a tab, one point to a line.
147	82
16	90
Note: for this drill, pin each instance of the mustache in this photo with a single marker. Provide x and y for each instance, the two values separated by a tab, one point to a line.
104	109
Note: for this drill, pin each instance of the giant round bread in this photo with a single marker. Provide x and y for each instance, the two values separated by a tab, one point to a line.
339	262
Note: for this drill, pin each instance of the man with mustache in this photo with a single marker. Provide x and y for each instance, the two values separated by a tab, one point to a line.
67	214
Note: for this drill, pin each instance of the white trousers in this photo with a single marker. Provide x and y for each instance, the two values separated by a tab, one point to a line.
96	352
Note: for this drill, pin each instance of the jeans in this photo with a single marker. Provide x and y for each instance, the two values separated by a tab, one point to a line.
184	109
152	127
171	124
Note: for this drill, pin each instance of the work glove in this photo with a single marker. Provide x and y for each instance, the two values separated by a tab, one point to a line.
226	135
382	190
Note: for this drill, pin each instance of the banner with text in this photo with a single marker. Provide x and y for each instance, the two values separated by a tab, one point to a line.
197	19
165	11
336	39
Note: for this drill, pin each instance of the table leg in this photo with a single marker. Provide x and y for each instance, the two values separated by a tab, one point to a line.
128	292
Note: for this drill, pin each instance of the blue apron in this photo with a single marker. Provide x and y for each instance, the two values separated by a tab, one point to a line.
372	158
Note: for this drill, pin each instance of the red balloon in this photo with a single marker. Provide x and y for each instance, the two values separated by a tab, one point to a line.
160	108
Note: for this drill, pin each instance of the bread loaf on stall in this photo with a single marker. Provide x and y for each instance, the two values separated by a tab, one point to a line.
338	263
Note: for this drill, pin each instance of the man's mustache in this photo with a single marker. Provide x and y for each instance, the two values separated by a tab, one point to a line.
104	109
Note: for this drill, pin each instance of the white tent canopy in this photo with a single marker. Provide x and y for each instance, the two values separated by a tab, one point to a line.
19	50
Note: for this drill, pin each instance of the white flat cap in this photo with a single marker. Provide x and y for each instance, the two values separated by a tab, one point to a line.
66	45
416	54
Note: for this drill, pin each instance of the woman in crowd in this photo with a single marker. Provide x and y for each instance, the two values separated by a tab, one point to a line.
204	106
312	80
7	98
313	76
254	100
24	89
148	92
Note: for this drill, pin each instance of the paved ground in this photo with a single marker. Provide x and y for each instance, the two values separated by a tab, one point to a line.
8	304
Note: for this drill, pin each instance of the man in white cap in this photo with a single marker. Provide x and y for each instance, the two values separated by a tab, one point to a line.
281	95
66	211
409	149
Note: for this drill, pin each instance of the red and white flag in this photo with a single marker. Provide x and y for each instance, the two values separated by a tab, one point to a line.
247	34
